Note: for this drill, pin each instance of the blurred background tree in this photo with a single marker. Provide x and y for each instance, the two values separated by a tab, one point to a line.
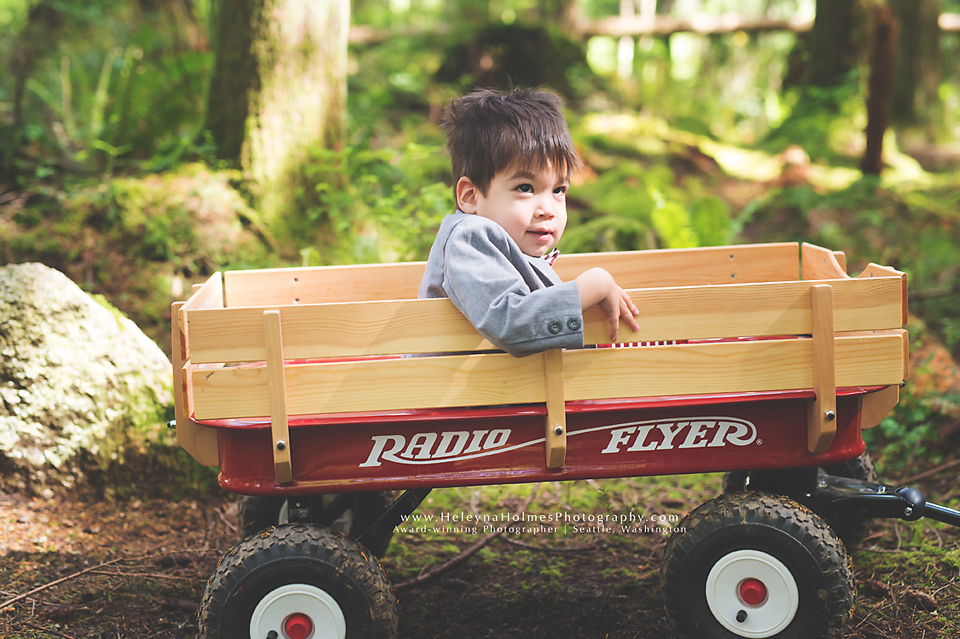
277	89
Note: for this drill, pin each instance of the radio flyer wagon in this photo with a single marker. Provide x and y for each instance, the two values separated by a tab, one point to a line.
763	361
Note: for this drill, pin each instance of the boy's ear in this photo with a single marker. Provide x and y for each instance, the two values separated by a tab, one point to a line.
467	194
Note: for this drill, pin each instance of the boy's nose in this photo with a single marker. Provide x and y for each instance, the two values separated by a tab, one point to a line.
545	210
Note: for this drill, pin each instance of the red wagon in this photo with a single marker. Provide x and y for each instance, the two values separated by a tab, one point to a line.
762	361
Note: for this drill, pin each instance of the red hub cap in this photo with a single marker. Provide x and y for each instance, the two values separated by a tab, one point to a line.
753	592
297	626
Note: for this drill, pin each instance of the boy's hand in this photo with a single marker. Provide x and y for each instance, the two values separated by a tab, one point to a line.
598	288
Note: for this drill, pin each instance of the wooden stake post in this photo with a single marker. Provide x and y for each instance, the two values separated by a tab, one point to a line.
822	411
556	426
278	397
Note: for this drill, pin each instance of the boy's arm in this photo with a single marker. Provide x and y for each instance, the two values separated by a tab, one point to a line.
482	277
598	288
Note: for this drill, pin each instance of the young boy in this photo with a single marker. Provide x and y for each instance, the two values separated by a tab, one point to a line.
512	157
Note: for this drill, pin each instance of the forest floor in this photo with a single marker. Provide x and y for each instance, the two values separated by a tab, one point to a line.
112	570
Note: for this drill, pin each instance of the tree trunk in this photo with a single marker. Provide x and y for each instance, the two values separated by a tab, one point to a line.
918	69
278	89
883	47
833	43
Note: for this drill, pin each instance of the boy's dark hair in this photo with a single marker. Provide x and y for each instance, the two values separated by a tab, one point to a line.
489	131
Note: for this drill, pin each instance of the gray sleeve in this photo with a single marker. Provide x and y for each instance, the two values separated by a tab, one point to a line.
482	277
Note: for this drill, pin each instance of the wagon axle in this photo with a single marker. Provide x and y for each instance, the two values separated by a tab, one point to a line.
837	495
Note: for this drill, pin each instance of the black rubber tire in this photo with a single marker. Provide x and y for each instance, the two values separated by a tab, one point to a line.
259	513
851	527
298	554
781	528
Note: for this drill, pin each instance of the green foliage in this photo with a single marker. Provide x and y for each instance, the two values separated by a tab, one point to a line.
13	14
826	122
636	204
133	239
377	205
391	91
115	83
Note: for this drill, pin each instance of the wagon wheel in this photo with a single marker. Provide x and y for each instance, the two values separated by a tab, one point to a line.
756	565
852	526
350	513
298	581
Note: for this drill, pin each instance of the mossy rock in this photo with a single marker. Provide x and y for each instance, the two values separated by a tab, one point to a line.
84	394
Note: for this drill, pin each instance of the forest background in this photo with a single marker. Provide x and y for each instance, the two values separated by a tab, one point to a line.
129	155
133	156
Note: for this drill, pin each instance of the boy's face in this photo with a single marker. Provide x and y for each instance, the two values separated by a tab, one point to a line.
530	204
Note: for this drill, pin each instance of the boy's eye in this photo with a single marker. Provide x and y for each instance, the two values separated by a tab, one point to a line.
525	188
561	190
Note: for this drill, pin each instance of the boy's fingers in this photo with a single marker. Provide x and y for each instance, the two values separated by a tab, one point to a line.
630	305
628	313
614	324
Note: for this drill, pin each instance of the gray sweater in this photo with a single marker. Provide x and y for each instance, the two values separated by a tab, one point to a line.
514	300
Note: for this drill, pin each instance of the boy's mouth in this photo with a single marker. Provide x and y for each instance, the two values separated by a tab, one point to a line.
541	234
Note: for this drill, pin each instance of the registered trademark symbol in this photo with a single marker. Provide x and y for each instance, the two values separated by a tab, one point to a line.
759	441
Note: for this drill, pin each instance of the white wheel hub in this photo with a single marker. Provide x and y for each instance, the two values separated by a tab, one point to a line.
294	601
752	594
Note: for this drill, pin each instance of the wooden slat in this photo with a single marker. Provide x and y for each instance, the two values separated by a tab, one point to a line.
336	330
277	391
822	411
322	284
556	419
636	269
479	380
817	263
689	267
423	326
736	366
777	308
198	440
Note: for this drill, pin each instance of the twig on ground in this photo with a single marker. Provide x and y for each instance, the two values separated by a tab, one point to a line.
229	525
14	600
931	472
147	575
866	618
466	554
47	630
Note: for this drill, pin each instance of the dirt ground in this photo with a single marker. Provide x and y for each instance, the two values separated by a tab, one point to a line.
110	570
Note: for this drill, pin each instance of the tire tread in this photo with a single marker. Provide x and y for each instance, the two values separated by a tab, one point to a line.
299	541
754	508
